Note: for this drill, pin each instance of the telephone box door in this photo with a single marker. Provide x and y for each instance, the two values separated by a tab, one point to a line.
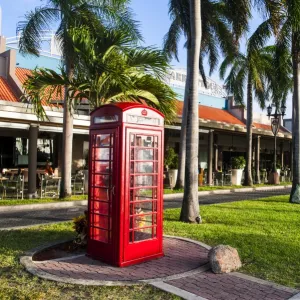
102	202
143	228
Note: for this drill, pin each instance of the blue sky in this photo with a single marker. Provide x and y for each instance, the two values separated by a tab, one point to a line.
152	15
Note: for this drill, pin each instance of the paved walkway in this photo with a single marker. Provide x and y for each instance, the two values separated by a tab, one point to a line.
183	271
15	217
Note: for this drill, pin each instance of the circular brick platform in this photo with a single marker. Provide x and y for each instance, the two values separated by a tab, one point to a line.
182	258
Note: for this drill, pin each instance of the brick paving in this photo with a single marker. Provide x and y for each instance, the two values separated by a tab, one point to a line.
228	287
180	256
183	260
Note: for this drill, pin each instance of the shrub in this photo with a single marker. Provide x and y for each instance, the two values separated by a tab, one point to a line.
81	228
238	162
171	159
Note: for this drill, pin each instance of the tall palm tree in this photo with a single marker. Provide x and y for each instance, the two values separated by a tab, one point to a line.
108	70
288	37
68	15
221	29
190	206
256	71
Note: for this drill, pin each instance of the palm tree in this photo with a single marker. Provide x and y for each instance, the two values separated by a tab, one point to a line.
288	38
71	14
256	70
190	207
221	28
108	70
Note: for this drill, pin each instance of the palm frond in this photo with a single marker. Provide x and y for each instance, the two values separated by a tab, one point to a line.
32	29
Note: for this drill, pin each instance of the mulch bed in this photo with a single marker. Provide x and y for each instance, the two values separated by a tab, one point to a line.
61	250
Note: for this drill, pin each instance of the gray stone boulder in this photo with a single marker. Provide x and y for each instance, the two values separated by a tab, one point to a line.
224	259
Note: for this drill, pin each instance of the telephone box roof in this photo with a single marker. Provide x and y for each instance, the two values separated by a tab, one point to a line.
123	106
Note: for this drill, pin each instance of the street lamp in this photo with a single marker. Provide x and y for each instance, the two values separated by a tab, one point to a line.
275	122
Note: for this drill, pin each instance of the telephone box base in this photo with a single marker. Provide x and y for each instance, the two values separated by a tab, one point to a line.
126	263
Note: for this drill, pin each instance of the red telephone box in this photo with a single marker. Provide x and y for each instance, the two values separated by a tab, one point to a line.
125	184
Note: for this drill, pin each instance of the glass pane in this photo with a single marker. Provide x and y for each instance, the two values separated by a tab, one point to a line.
143	167
101	207
106	119
101	235
102	167
141	194
101	180
144	207
132	139
143	154
101	221
103	140
100	194
154	231
103	153
143	180
142	234
141	221
144	141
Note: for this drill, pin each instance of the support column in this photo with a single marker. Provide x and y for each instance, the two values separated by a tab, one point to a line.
216	152
210	157
291	161
257	160
32	160
281	155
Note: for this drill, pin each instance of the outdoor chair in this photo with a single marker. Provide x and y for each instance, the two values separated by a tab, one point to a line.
13	187
78	184
218	178
2	190
227	178
50	186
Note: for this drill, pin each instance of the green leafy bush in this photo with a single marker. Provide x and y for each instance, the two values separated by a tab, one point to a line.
238	162
81	228
171	159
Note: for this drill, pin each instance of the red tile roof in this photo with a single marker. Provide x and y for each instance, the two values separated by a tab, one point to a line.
6	92
213	114
22	75
268	127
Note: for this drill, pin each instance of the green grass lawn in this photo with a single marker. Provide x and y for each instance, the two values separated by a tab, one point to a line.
38	201
225	187
16	283
266	233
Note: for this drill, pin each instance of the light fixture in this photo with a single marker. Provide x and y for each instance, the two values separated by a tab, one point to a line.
283	109
269	110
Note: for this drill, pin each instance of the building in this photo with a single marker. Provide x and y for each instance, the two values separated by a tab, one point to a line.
222	131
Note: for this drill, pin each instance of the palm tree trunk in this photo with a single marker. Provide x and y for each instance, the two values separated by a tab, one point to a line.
190	204
248	173
295	192
66	170
182	145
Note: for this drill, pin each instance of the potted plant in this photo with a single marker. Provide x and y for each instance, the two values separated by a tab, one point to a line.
238	165
278	168
171	164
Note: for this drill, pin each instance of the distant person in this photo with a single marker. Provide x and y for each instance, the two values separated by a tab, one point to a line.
48	168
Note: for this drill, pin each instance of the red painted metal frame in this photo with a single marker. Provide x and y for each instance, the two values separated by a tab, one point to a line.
121	252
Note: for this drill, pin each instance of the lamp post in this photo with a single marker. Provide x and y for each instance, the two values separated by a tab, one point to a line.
275	122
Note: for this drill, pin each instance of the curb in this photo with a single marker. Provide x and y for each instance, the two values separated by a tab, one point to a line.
12	208
264	282
229	191
30	266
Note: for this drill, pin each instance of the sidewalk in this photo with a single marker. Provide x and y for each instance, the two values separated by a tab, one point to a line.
167	197
183	271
